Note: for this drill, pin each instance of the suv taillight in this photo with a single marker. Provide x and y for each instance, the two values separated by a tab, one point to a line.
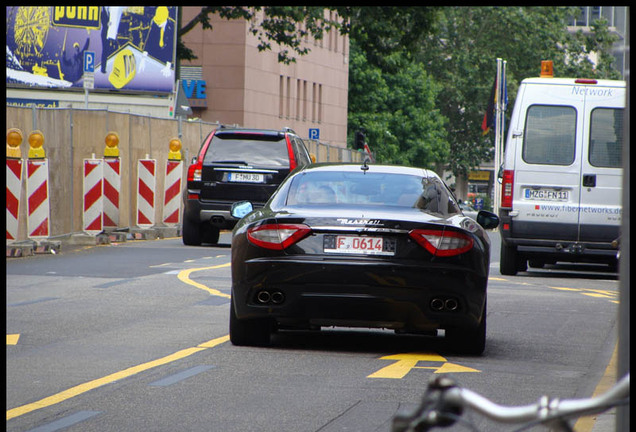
290	150
506	188
443	243
194	171
277	236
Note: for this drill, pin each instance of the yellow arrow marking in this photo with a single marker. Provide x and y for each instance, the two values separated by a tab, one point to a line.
454	368
12	339
405	362
184	276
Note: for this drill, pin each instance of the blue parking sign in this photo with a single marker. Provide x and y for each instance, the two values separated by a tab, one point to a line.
89	61
314	133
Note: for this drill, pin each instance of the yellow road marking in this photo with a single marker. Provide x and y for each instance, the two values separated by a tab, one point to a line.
405	362
585	424
184	276
12	339
83	388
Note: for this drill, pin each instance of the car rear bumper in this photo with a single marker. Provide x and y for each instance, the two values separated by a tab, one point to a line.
215	212
564	250
306	293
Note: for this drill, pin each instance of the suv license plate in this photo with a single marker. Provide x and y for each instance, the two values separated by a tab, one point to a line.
358	245
245	177
546	195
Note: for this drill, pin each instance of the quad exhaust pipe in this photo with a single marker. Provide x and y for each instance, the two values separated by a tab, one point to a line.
449	304
265	297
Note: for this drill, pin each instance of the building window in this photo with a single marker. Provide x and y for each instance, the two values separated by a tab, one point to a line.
314	99
298	98
305	100
289	96
281	93
319	103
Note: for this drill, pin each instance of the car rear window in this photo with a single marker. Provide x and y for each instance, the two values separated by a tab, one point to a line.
375	189
260	150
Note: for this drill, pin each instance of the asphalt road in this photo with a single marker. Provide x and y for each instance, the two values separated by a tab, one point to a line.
133	336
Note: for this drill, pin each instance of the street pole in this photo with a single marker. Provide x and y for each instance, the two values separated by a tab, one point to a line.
500	108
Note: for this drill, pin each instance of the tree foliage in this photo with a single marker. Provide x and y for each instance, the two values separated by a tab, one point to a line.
397	111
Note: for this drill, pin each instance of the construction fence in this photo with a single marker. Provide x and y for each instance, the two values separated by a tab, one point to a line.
71	136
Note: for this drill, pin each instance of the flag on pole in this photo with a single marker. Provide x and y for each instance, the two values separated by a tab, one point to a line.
489	116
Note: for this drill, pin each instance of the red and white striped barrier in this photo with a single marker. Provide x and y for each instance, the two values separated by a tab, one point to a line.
93	192
146	181
172	192
38	208
14	189
112	184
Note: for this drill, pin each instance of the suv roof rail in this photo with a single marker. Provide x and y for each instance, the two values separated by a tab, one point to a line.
288	129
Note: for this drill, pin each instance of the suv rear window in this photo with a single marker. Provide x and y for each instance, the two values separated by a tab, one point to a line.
550	135
260	150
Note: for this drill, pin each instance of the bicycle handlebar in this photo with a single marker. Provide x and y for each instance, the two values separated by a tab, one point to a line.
443	403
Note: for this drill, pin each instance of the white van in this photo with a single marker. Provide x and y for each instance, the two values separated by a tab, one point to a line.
562	174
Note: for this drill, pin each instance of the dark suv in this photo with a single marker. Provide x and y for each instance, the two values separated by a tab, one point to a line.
235	165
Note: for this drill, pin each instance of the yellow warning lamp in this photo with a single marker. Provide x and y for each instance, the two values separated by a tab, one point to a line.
112	143
14	139
175	149
546	69
36	140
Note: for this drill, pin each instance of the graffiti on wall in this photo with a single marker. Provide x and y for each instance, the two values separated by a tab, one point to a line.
134	47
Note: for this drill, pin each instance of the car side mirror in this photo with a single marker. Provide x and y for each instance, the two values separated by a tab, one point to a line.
488	220
194	160
240	209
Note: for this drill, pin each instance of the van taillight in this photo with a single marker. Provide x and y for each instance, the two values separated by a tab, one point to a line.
506	188
194	171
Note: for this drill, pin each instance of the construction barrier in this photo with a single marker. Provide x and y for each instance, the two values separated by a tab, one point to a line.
14	189
38	208
92	223
112	185
146	182
172	193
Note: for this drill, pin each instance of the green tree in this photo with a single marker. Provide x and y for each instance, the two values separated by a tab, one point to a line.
461	54
397	111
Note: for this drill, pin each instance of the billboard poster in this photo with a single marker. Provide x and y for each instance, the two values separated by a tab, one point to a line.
132	48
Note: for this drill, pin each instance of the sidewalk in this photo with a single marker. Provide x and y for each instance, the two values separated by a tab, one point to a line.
57	244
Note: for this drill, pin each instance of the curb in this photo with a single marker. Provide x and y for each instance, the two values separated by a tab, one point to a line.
119	235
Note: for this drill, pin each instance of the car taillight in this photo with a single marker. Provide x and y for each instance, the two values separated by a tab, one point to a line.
506	188
277	236
442	243
290	151
194	171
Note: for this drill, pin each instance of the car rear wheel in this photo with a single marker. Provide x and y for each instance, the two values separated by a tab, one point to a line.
469	341
191	233
250	332
508	260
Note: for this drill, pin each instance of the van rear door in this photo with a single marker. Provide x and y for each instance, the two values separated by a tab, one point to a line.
547	161
601	167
